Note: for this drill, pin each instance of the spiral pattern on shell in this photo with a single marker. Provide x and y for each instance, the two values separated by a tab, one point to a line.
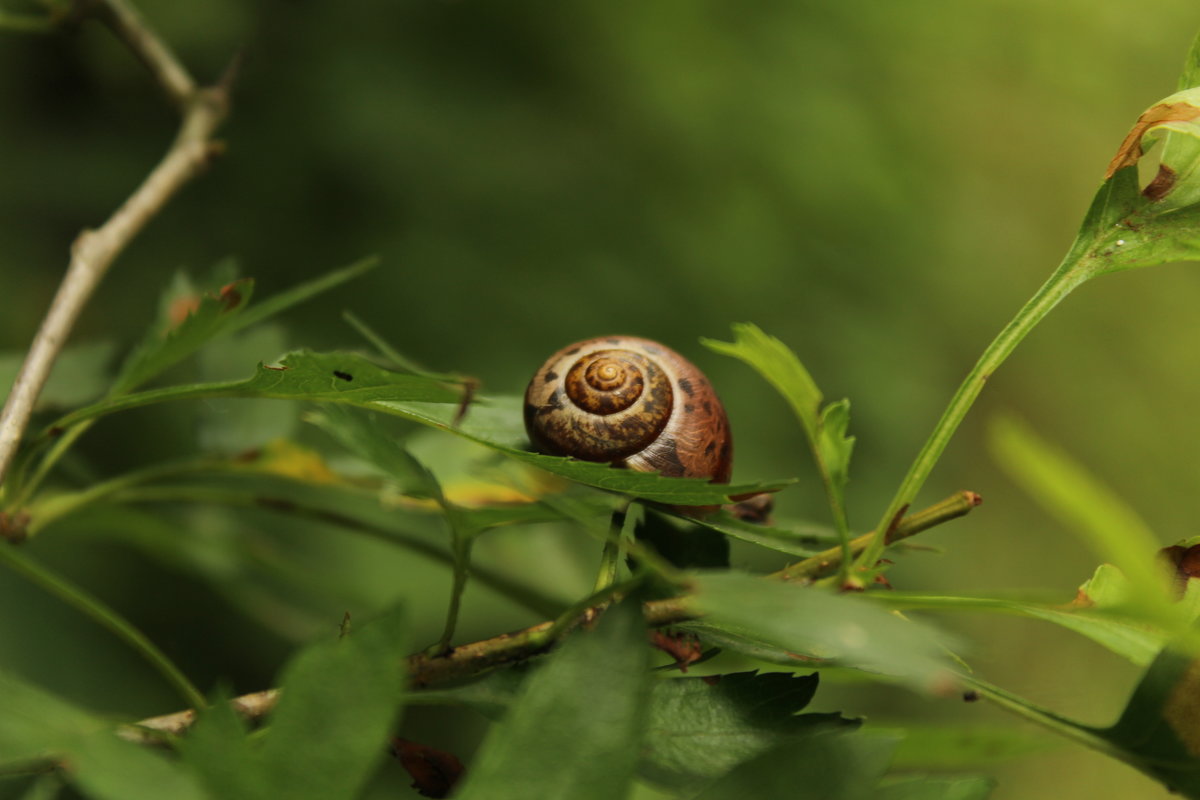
631	402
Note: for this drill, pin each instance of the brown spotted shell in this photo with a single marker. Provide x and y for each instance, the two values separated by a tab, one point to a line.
631	402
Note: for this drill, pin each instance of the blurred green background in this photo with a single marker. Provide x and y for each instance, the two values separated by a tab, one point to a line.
881	185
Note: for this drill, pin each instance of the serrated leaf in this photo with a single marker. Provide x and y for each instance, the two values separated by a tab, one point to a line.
170	340
575	733
848	630
337	705
188	319
834	445
302	375
775	361
825	428
831	766
935	788
700	728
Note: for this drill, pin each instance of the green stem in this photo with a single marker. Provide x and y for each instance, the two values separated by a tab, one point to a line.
1070	274
610	557
61	445
26	23
106	618
47	511
460	547
1057	723
829	561
587	609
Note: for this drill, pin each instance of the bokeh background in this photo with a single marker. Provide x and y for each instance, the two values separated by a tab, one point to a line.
881	185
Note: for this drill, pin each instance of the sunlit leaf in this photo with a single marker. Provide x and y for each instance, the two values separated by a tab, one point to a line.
1079	501
1134	639
773	360
826	428
848	630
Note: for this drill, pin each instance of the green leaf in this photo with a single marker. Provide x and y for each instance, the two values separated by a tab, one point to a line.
1159	730
825	428
496	422
187	325
365	438
576	731
106	768
189	319
795	539
1083	504
218	750
834	445
302	375
1132	638
234	425
700	728
848	630
34	725
831	766
775	361
934	788
338	702
277	303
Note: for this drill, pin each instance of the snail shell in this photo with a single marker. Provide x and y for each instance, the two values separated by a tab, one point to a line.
630	402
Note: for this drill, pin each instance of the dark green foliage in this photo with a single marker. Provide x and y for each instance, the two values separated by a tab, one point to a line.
251	515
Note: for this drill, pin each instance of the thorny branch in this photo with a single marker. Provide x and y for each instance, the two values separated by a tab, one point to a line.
476	657
203	109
